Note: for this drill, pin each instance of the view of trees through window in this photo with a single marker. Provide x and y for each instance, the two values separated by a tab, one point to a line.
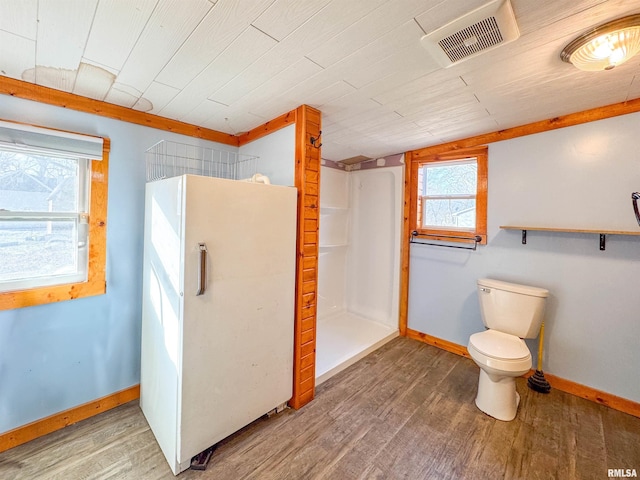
449	194
41	200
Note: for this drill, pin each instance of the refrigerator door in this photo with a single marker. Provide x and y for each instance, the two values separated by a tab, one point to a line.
162	312
237	335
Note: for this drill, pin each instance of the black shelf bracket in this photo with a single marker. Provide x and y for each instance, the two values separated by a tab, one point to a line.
603	239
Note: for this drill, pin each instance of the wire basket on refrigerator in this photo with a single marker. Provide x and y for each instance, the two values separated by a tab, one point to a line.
171	159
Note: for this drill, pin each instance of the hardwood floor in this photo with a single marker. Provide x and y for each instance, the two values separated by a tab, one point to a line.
405	411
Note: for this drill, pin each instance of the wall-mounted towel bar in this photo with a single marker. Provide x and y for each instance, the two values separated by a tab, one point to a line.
473	241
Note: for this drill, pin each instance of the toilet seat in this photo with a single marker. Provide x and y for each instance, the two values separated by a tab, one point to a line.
500	353
499	345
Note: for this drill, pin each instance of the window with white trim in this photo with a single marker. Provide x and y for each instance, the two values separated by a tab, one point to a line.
46	198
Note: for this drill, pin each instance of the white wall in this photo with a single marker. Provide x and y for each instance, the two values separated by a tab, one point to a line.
373	268
576	177
58	356
360	224
277	155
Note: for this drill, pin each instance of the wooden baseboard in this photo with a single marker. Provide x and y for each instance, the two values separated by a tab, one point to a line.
42	427
567	386
597	396
438	342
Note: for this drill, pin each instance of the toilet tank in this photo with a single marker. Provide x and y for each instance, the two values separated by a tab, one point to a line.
511	307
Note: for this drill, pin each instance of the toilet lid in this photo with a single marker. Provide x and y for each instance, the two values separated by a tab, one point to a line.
499	345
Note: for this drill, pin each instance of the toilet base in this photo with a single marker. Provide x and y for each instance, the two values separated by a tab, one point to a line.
497	396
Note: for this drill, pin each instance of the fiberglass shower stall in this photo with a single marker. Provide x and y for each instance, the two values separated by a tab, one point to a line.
358	264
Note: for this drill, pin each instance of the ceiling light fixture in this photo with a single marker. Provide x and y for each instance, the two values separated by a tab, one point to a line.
605	46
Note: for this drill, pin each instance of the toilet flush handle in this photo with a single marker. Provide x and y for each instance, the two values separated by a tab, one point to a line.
486	290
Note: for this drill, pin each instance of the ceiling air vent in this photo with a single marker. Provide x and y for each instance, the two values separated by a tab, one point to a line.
481	30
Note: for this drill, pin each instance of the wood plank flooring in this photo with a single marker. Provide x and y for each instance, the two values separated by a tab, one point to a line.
405	411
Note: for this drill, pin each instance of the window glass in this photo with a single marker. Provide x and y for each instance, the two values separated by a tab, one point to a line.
450	199
43	220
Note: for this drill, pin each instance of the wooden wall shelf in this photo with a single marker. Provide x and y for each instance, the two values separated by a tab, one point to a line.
602	232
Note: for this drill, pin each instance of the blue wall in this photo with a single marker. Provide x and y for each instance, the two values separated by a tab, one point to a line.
57	356
575	177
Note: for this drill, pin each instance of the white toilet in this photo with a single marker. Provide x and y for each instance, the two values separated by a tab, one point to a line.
511	312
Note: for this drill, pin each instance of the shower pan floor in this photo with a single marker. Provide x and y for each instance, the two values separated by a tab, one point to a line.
344	338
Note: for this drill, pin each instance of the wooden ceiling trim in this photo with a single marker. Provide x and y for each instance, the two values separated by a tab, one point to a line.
563	121
38	93
267	128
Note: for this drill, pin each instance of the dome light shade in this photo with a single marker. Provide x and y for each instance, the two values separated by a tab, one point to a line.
606	46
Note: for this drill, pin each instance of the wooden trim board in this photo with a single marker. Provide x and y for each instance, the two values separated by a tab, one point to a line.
592	394
438	342
57	421
307	181
37	93
598	396
267	128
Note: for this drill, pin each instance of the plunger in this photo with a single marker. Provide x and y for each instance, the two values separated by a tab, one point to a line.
537	381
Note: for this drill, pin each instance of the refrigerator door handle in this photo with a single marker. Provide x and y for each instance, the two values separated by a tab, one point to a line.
202	271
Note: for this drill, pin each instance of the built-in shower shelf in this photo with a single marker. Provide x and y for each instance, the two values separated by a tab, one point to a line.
602	232
334	245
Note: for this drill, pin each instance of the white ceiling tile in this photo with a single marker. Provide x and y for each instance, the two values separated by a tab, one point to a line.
328	22
349	106
63	32
225	21
478	127
399	39
246	48
234	124
99	65
284	16
328	94
17	53
464	98
532	16
634	88
52	77
93	82
115	30
122	95
366	30
418	91
169	26
19	17
206	110
282	81
314	94
159	96
413	57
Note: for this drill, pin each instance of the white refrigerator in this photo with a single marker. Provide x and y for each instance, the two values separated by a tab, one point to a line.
218	309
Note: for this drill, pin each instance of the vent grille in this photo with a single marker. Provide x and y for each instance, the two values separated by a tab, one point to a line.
490	26
471	40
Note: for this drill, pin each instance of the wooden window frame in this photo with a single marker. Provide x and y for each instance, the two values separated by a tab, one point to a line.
479	153
96	276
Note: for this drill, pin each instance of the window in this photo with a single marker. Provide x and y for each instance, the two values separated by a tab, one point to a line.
52	215
452	194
